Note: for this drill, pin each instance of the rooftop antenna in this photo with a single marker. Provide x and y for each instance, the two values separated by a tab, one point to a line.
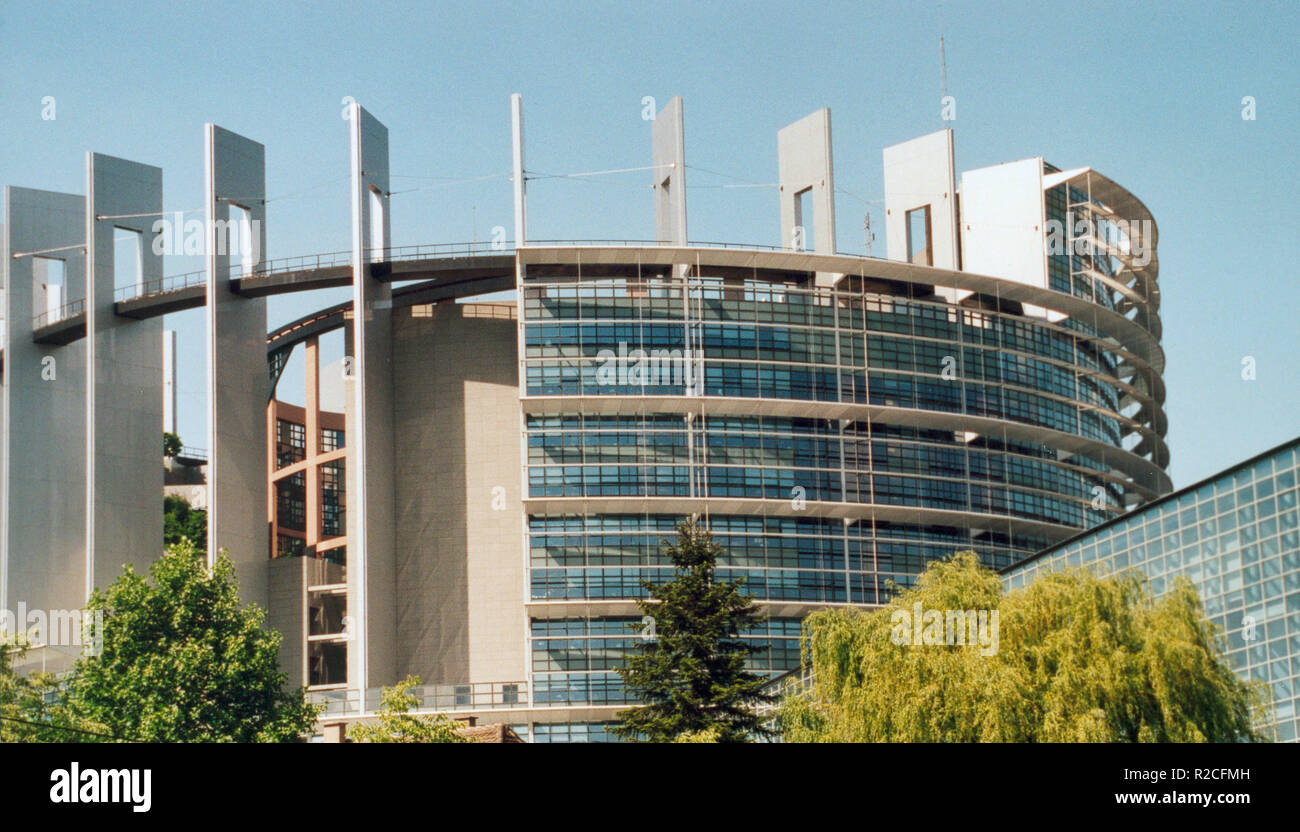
871	235
943	71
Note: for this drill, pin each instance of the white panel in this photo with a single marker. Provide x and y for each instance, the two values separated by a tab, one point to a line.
1002	222
920	172
668	151
804	163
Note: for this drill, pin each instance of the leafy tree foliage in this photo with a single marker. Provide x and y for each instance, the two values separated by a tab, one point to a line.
1079	659
183	661
394	723
31	709
171	444
709	735
691	674
181	521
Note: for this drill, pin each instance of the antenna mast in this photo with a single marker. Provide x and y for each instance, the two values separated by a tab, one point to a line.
943	69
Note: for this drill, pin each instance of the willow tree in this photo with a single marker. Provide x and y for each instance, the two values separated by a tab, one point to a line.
1071	658
691	673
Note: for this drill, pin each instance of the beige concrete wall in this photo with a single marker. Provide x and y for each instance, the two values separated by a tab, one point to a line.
460	615
286	597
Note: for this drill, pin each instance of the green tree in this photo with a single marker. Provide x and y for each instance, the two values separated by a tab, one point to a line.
171	444
181	521
706	736
691	673
1076	659
183	661
31	707
393	723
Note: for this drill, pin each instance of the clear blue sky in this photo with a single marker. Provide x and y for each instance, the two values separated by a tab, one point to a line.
1149	93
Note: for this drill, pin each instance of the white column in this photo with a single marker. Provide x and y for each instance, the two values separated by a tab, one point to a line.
237	381
369	431
42	413
517	157
124	378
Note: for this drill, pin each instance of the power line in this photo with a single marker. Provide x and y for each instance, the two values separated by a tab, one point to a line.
323	183
584	174
859	197
737	178
446	182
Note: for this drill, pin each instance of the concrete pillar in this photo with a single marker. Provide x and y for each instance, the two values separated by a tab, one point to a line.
517	168
371	588
235	175
124	377
286	613
43	413
668	147
804	161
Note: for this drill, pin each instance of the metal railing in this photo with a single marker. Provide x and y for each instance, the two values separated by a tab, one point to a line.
301	263
53	316
691	244
335	259
191	452
479	696
171	283
429	251
176	282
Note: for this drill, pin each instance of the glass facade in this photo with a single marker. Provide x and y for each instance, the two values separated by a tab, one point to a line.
290	443
768	458
566	732
737	389
611	338
574	659
802	559
1236	537
1083	259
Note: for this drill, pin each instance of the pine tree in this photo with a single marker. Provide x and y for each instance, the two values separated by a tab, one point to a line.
690	669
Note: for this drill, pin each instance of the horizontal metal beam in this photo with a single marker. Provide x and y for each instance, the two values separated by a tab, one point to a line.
812	508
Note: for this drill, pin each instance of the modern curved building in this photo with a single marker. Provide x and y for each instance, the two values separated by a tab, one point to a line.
839	421
476	491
